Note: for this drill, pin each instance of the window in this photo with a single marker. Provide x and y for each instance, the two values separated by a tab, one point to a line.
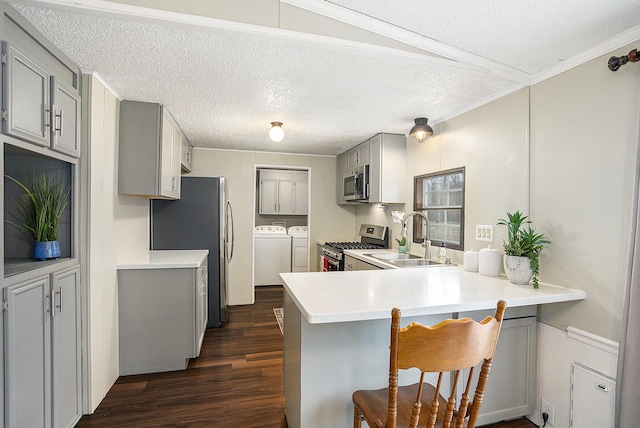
440	197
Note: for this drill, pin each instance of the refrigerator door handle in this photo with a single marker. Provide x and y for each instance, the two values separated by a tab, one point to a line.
230	215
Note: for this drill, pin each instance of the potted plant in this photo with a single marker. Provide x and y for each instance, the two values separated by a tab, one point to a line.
398	217
38	212
402	244
522	248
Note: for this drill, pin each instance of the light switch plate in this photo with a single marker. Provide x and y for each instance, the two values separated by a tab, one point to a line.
484	232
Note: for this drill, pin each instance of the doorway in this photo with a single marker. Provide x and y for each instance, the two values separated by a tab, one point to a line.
281	222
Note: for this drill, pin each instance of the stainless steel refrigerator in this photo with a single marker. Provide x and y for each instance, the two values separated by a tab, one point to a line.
202	219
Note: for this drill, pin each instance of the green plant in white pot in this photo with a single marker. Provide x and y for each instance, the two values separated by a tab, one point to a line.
522	249
39	211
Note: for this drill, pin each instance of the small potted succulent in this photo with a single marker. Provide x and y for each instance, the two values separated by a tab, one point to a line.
39	211
522	248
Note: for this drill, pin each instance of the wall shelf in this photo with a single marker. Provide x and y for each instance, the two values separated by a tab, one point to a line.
17	266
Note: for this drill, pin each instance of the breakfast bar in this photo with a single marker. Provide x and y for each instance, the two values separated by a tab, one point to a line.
336	335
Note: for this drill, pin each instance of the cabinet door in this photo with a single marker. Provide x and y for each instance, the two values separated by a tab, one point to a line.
201	306
352	158
342	162
268	196
363	153
166	151
26	98
66	349
28	354
286	197
302	197
176	152
510	390
65	133
2	360
187	153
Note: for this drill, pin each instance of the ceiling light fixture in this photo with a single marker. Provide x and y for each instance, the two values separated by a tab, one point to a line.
421	131
276	133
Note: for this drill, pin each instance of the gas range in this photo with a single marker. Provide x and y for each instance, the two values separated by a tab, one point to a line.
372	238
336	249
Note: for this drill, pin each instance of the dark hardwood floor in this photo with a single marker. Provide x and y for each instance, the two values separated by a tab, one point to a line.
235	383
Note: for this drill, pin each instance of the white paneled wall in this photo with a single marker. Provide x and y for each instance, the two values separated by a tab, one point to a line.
558	351
112	228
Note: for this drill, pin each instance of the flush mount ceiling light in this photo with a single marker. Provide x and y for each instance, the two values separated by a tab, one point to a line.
421	131
276	133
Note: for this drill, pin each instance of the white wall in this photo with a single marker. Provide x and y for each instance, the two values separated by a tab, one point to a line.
584	137
557	351
492	143
327	221
113	227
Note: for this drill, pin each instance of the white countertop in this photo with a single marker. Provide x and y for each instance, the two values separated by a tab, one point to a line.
165	259
329	297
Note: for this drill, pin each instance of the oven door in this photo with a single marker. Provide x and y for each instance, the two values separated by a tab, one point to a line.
327	264
355	186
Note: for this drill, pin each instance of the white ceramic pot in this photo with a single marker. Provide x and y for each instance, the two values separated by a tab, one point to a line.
518	269
489	261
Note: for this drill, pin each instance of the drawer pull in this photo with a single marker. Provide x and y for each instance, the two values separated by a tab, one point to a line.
602	387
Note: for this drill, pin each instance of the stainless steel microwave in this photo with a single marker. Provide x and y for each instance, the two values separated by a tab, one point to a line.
355	186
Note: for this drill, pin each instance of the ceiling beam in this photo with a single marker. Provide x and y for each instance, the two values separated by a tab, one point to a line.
436	55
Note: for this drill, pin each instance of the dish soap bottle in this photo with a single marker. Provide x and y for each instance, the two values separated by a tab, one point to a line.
442	255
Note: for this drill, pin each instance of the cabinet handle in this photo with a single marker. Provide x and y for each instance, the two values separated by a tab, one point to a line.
59	130
52	304
59	293
47	116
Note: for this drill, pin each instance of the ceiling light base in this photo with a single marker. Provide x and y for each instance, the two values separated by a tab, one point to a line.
276	133
421	130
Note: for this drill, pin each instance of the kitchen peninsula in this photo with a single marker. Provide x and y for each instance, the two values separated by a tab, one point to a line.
336	335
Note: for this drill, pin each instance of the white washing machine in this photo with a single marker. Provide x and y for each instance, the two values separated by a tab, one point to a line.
272	254
299	251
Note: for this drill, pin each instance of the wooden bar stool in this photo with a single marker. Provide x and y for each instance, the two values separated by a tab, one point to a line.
449	346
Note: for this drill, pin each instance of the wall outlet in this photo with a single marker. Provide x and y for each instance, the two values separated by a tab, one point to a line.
549	409
484	232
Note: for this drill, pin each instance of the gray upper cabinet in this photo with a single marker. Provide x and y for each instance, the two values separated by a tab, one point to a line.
284	192
65	135
150	151
187	155
37	107
387	170
26	97
386	155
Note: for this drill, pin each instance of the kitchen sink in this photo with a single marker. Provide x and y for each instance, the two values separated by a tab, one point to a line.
393	256
418	262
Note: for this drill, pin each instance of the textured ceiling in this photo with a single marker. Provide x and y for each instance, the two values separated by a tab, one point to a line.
335	72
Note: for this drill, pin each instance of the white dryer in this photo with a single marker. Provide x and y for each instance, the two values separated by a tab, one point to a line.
299	249
272	254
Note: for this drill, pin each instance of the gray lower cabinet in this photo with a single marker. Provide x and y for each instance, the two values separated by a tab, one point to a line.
67	352
352	263
38	107
42	351
162	317
511	388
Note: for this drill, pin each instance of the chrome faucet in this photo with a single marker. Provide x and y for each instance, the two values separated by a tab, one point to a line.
426	243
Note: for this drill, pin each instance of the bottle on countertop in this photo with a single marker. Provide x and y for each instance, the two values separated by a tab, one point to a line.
442	254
